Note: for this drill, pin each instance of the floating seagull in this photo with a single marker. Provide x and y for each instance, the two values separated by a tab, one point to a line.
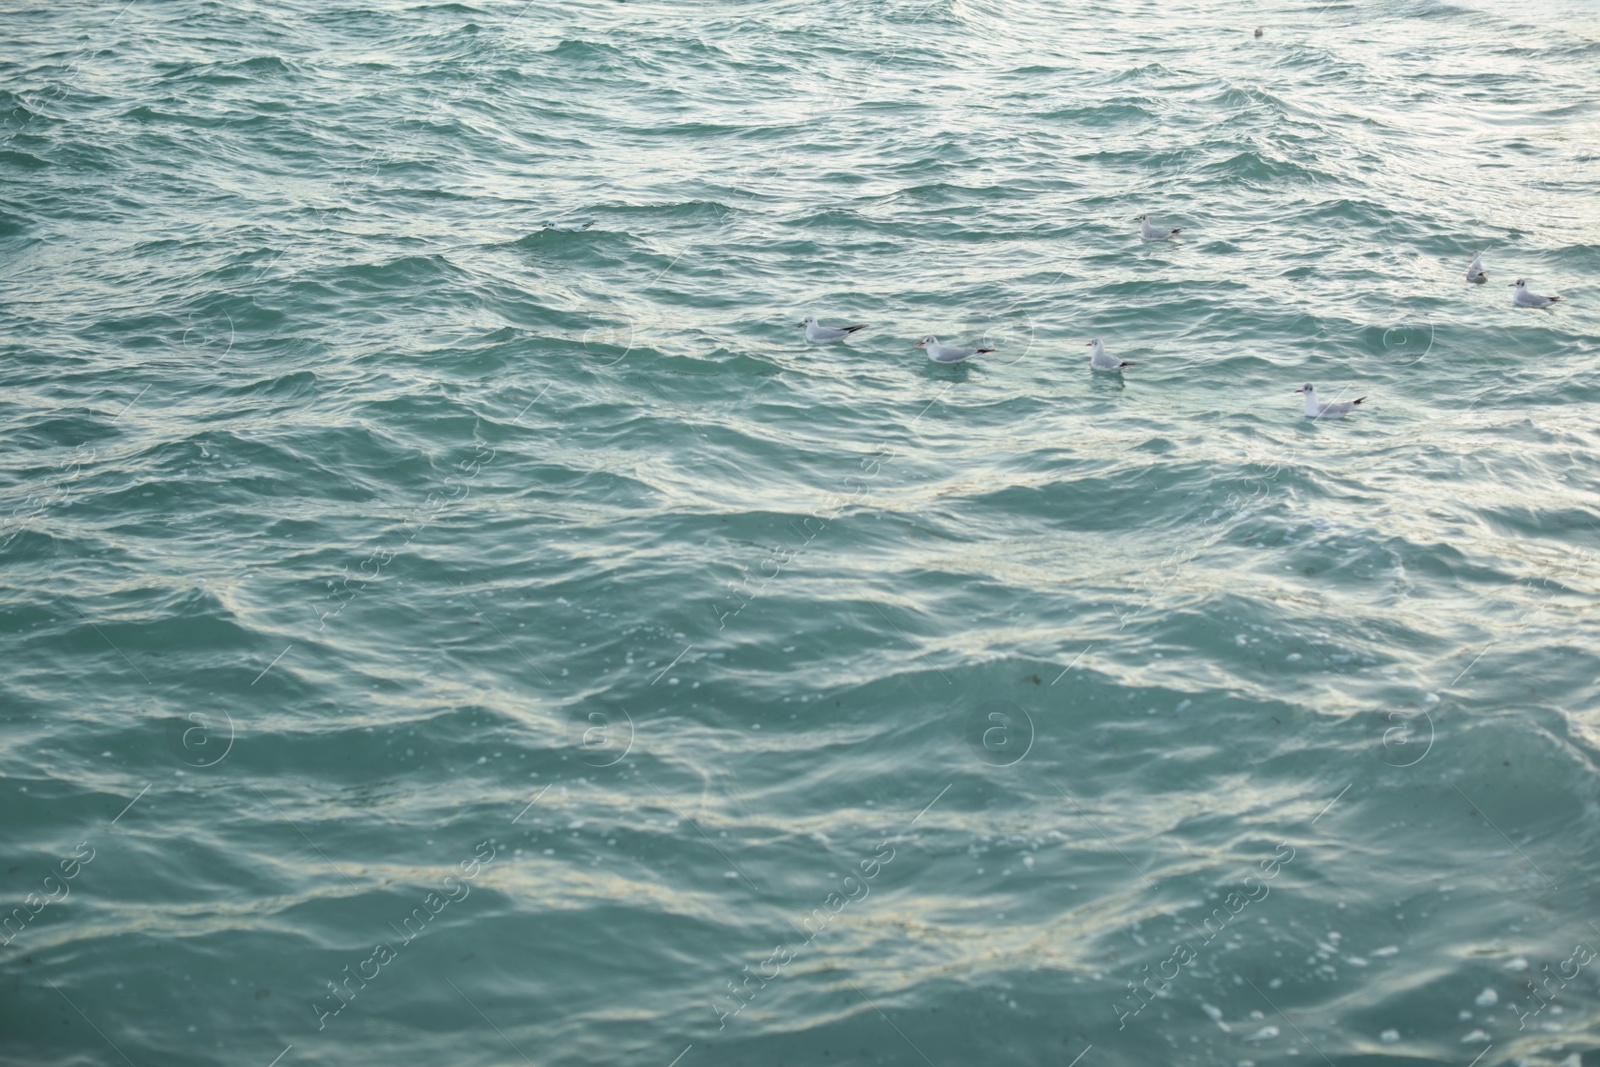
948	353
1260	30
569	227
1329	409
1150	233
821	335
1475	269
1098	360
1527	298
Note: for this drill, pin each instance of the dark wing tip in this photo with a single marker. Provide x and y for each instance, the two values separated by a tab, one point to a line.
1358	400
858	326
985	351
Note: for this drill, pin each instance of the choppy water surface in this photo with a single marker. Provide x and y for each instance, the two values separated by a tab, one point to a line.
434	639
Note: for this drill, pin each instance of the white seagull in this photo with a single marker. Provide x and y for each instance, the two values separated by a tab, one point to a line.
1260	30
948	353
1475	269
1527	298
1327	409
1150	233
1098	360
821	335
569	227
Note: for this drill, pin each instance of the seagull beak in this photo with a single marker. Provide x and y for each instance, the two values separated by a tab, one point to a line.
1299	390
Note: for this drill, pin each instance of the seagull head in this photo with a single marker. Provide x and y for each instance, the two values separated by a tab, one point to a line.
1308	389
1518	284
1141	218
1096	344
928	340
811	320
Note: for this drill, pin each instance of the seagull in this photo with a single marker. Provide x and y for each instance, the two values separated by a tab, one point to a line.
821	335
1475	269
1260	30
569	227
948	353
1527	298
1329	409
1098	360
1150	233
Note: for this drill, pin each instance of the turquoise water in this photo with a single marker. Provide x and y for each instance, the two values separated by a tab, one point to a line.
434	639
